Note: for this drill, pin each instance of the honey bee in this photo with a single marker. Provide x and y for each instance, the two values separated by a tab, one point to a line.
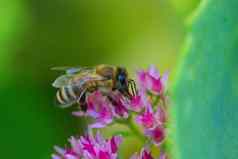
78	82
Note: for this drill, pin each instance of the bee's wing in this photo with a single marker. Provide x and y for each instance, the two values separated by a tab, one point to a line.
70	73
72	70
82	78
78	79
62	80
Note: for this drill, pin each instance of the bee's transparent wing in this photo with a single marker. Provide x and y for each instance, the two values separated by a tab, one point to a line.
72	70
76	80
62	80
70	73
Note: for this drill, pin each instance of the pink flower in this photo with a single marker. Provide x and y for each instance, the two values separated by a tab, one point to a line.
119	106
99	108
153	123
89	147
65	154
104	108
157	134
149	118
151	80
114	142
135	103
161	115
144	154
87	144
146	119
163	155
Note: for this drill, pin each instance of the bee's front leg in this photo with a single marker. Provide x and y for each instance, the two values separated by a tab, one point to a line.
82	101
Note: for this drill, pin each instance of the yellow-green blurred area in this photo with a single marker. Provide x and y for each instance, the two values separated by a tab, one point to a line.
36	35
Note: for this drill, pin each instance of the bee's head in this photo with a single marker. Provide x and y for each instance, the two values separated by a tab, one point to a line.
122	83
121	78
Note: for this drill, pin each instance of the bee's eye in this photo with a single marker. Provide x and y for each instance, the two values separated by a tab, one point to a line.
121	78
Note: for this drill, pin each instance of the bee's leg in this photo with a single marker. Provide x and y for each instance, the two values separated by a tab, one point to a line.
111	99
132	85
84	105
82	100
132	89
125	92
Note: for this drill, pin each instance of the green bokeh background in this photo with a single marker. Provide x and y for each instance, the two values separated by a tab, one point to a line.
37	35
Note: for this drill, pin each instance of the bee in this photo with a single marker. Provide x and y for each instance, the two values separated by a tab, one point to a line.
78	82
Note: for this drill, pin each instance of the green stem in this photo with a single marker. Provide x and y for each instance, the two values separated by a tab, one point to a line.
156	101
134	129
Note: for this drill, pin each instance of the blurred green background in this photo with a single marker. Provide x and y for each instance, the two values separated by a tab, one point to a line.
36	35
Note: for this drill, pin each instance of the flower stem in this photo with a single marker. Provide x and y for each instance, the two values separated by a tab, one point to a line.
156	101
133	128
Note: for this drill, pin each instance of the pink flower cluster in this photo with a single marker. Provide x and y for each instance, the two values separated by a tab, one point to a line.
152	80
153	117
148	109
89	147
104	109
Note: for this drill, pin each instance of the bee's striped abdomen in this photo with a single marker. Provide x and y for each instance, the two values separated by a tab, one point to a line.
73	91
71	94
59	97
66	95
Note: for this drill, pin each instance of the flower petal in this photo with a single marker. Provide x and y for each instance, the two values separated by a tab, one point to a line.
115	142
146	119
154	72
160	116
157	134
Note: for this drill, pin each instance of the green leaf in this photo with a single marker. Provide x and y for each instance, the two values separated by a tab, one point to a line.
205	95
